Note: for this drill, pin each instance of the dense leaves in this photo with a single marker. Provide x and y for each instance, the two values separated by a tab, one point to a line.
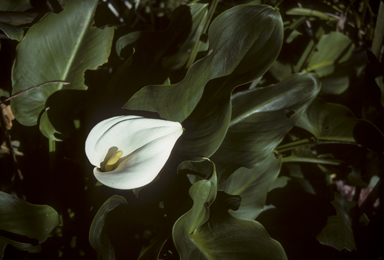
277	110
70	46
202	232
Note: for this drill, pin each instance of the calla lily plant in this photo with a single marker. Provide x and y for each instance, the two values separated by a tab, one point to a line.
128	152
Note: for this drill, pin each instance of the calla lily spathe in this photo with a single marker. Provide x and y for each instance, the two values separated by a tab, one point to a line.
130	151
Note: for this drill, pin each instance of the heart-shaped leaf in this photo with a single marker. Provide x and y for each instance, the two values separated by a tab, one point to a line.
261	118
31	222
69	47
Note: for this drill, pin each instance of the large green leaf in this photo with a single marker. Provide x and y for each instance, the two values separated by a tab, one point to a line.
332	49
336	123
252	185
14	5
31	222
244	42
338	230
208	231
97	238
69	47
261	118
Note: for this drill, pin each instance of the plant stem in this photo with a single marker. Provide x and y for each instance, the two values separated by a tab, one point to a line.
29	89
309	141
295	144
310	160
52	150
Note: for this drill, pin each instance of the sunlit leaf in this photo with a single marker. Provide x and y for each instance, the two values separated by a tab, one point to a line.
261	118
338	230
31	222
69	47
97	238
331	50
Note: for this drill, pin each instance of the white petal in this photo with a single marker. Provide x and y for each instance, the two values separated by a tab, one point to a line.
146	145
95	134
143	165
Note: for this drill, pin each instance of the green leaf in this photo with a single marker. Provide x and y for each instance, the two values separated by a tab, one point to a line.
244	42
310	12
47	128
331	50
179	59
145	67
62	107
334	85
280	70
261	117
14	5
208	231
13	32
334	122
97	238
69	47
33	222
304	154
252	185
18	18
328	121
203	194
338	231
127	42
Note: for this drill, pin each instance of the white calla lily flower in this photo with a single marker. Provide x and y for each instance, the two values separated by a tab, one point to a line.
130	151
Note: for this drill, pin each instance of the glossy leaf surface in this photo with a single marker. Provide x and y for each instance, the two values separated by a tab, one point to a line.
261	118
241	46
69	47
